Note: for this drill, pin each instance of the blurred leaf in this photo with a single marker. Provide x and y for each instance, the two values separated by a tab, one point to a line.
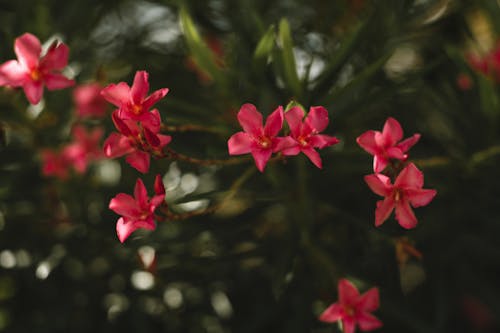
288	59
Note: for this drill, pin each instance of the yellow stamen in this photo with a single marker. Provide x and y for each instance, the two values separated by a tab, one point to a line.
136	109
35	75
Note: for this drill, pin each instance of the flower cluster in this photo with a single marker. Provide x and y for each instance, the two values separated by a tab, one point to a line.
407	191
262	141
488	64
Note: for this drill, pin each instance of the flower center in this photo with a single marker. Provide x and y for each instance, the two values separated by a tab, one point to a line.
397	195
302	141
349	310
35	74
136	109
264	142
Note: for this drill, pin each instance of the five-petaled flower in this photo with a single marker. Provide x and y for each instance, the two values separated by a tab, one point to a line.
305	134
88	100
406	192
353	309
133	102
137	211
84	148
32	71
384	145
260	141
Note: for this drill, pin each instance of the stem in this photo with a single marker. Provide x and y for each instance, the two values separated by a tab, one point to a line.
190	128
169	153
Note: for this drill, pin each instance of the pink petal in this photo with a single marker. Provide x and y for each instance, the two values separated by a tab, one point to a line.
392	132
379	184
294	118
158	186
164	140
140	87
348	293
367	142
317	118
120	124
153	98
321	141
56	57
332	313
369	301
250	119
117	94
141	194
123	204
408	143
139	160
396	153
124	228
33	91
274	122
156	201
57	81
313	156
151	138
117	145
348	324
150	120
410	177
383	210
239	143
420	197
28	49
379	163
261	157
12	74
286	143
404	214
368	322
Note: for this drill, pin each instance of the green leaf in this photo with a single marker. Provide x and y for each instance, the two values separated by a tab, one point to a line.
265	47
288	60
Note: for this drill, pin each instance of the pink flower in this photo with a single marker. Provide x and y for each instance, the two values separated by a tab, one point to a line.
353	309
31	71
305	134
129	142
406	192
88	100
133	102
138	211
260	141
384	145
54	164
84	148
489	64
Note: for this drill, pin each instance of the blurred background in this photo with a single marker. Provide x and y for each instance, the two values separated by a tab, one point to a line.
270	258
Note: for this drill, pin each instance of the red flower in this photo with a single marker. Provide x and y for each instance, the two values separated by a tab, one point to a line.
384	145
305	134
133	102
88	100
31	71
407	191
260	141
489	64
353	309
54	164
138	211
84	148
129	142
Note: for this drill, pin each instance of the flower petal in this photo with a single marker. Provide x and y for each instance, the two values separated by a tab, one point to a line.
141	194
117	145
383	210
404	214
56	57
239	143
274	122
151	120
348	293
321	141
159	186
369	301
117	94
153	98
367	142
408	143
379	163
317	118
125	227
348	324
57	81
139	160
332	313
420	197
294	118
250	119
379	184
12	74
410	177
33	91
367	321
392	132
313	156
261	156
125	205
28	49
140	87
396	153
